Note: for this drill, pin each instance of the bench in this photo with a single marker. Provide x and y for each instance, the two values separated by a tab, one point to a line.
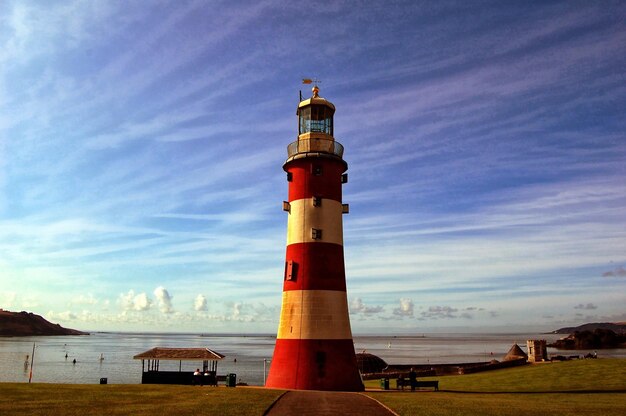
429	383
401	382
209	379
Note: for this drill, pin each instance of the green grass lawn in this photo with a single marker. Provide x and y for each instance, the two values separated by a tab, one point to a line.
575	375
581	387
585	387
506	404
131	399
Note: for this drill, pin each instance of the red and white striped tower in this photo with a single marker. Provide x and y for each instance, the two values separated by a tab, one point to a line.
314	348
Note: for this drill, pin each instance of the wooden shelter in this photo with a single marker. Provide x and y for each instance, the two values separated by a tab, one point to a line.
151	374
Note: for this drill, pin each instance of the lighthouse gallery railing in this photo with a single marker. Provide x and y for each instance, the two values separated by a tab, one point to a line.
315	145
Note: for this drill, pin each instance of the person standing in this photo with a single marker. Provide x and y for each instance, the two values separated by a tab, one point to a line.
413	379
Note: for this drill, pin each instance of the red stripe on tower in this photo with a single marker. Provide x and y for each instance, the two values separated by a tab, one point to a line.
314	348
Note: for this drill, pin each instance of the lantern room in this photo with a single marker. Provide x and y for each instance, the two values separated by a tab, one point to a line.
315	115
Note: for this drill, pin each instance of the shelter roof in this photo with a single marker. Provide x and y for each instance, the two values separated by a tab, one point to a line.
515	353
179	354
370	363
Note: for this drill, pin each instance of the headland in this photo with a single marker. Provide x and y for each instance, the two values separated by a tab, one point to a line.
21	324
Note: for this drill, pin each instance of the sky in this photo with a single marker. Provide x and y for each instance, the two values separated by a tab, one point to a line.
142	143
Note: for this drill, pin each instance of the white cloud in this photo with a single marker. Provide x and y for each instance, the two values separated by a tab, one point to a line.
131	302
441	312
247	312
357	306
164	299
405	309
199	303
237	311
67	316
61	316
88	299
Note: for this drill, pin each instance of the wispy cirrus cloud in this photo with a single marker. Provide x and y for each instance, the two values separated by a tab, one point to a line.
478	137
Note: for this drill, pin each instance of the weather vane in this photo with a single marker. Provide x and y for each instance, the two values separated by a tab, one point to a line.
311	81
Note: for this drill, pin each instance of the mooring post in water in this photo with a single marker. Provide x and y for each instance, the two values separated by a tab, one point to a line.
265	360
32	362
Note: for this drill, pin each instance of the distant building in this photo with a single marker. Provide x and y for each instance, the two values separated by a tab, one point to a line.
537	350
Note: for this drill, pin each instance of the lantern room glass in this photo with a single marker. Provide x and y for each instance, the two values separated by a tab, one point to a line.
315	119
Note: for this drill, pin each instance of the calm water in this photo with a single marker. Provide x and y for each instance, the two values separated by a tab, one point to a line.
118	366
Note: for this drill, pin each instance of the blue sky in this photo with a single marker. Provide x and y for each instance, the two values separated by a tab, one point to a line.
141	151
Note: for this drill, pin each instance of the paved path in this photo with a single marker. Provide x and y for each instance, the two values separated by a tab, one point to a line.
320	403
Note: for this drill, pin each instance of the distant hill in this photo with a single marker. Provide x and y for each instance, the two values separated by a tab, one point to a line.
619	327
19	324
596	339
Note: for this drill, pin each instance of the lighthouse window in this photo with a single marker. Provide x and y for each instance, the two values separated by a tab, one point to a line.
316	234
316	118
321	119
317	201
291	269
316	170
305	120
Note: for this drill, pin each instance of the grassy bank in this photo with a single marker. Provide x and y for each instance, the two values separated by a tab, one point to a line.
589	387
126	399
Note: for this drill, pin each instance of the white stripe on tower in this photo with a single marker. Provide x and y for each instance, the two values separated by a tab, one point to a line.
304	217
314	314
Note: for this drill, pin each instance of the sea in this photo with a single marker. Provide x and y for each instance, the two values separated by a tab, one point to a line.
110	355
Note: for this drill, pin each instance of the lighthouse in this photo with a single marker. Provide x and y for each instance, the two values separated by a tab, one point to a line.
314	348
